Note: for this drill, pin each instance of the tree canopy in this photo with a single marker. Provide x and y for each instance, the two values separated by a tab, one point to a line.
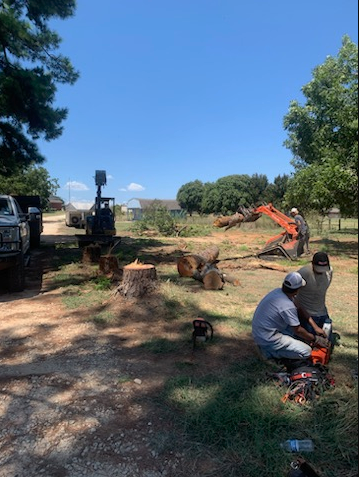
323	136
35	180
30	69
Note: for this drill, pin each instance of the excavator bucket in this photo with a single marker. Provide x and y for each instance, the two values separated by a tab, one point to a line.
281	249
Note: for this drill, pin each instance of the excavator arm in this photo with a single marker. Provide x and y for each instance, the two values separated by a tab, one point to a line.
284	244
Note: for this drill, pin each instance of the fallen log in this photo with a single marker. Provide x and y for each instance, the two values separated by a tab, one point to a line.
187	264
229	221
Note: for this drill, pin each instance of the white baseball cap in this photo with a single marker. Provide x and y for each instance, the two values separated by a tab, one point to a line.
294	210
294	280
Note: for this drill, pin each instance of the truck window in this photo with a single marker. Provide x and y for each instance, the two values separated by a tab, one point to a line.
5	207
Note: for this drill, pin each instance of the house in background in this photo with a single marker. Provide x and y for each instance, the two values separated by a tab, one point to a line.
136	207
55	203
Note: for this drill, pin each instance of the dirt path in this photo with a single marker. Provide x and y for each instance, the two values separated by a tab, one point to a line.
65	408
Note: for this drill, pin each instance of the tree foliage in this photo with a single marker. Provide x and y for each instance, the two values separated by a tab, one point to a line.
323	136
35	180
30	69
190	196
226	194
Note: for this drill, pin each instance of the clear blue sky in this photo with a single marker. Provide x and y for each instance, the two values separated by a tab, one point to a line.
177	90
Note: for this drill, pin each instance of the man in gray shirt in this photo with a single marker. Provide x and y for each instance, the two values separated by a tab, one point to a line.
311	298
303	232
276	327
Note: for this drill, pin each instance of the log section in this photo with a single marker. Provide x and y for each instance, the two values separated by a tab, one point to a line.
188	264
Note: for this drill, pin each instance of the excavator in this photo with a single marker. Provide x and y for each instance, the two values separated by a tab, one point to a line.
284	244
100	226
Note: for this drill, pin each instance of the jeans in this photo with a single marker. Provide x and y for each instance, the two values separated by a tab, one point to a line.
286	346
320	321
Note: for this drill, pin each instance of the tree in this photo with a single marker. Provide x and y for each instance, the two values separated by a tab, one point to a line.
276	191
226	194
30	68
190	196
323	136
35	180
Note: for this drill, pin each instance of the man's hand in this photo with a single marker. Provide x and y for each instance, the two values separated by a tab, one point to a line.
319	331
322	342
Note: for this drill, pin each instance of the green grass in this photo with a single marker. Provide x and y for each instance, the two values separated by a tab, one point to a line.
220	406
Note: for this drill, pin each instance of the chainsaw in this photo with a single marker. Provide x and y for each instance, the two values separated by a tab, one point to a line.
301	468
202	331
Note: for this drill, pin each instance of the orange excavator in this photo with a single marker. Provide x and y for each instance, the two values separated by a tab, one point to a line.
284	244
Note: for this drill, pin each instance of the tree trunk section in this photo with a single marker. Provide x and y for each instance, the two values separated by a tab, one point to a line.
108	264
188	264
229	221
91	254
138	280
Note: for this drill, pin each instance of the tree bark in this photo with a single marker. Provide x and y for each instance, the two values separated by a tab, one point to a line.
138	280
108	264
229	221
91	253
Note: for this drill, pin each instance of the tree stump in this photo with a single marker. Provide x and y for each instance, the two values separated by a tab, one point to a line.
91	253
108	264
188	264
138	279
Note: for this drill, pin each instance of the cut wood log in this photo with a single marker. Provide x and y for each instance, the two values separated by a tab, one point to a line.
229	221
138	279
187	264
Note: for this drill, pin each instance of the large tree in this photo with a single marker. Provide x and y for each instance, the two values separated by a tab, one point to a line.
323	136
30	69
190	196
34	180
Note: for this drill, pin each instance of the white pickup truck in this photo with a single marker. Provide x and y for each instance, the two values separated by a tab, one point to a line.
14	242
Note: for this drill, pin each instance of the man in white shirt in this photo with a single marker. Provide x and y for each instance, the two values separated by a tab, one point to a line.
276	327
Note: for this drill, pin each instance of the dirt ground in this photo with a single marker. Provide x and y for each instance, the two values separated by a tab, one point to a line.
76	401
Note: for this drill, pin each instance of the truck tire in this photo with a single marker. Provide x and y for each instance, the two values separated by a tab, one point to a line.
16	276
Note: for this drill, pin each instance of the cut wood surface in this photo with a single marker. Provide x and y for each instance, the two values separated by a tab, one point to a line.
202	267
138	279
187	264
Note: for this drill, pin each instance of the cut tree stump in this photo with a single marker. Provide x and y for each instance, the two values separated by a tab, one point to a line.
138	279
91	253
188	264
108	264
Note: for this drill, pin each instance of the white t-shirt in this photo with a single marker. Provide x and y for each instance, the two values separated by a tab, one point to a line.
275	313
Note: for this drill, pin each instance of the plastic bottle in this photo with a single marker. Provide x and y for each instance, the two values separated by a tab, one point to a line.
295	445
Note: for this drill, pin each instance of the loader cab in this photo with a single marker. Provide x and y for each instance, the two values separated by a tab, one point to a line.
102	221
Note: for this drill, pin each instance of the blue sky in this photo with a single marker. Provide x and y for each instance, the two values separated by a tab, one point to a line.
172	91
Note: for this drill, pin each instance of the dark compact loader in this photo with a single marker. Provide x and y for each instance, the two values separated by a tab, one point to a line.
100	226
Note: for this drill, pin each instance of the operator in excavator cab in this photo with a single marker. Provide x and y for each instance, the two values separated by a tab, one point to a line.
303	232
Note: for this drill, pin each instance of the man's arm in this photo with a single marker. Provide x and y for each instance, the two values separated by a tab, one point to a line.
305	316
310	338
